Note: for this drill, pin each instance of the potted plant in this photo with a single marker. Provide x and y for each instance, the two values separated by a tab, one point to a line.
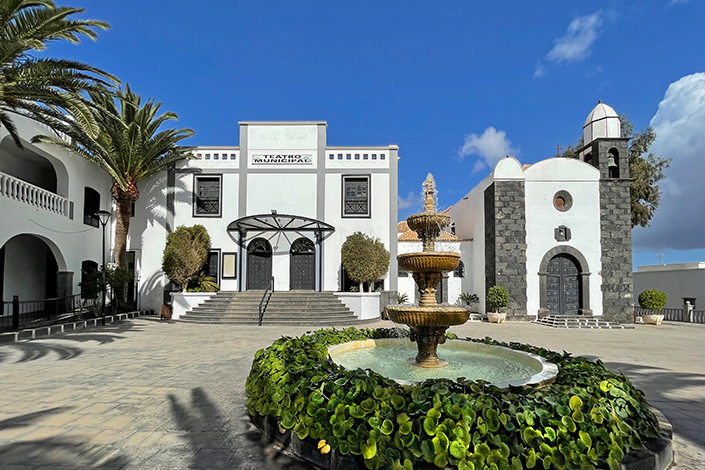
497	297
652	301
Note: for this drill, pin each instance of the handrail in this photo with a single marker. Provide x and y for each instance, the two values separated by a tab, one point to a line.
14	188
269	290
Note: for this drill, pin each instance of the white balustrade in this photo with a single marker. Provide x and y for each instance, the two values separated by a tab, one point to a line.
14	188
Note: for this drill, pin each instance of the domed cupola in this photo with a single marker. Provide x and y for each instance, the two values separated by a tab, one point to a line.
602	122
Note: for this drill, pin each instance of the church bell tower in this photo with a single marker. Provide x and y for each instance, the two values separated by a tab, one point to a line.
606	149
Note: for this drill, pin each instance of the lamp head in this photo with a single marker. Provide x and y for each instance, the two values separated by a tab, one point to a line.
103	216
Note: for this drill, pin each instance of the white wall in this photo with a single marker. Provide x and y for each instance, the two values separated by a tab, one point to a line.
678	281
293	194
581	180
376	226
71	240
469	217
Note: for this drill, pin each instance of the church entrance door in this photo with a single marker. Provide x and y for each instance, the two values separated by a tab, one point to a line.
563	286
303	265
259	264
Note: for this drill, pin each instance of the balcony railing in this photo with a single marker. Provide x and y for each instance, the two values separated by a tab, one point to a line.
14	188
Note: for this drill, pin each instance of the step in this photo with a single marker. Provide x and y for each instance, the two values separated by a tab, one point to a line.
578	321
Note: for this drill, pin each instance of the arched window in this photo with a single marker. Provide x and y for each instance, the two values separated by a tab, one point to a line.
460	270
613	163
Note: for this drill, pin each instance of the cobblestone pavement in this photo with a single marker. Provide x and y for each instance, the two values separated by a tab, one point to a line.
145	394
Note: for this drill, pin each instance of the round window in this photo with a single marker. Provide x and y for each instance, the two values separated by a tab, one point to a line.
562	201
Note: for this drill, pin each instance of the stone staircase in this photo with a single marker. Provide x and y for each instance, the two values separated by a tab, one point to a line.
284	308
580	321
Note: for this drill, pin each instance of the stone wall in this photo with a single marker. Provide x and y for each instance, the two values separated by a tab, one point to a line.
616	242
505	243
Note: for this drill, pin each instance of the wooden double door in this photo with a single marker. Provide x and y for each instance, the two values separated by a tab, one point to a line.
563	286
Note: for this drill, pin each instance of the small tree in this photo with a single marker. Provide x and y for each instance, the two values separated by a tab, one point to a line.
652	299
497	297
365	259
185	253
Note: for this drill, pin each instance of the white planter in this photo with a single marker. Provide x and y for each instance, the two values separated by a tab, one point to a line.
495	317
182	302
652	319
364	304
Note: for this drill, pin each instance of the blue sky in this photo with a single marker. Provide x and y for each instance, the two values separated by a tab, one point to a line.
455	84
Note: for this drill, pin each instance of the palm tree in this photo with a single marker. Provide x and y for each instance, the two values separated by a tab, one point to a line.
129	146
44	88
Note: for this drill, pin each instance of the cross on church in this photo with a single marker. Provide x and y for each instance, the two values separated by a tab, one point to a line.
558	150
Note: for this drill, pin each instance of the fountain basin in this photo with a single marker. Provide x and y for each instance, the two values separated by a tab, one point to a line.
425	220
502	367
429	262
428	316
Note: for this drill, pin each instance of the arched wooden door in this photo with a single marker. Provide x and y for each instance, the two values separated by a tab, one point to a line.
563	286
303	265
259	264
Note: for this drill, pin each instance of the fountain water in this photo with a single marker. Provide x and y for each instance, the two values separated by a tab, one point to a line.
428	321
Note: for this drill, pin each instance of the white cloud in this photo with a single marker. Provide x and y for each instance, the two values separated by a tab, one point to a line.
540	70
679	222
575	45
411	200
491	147
676	2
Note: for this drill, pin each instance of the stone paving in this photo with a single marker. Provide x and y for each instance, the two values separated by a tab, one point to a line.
145	394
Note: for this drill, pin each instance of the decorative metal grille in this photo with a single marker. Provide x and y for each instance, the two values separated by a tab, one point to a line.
208	196
356	196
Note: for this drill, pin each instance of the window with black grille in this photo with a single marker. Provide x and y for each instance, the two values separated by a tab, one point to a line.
91	205
207	196
460	270
356	196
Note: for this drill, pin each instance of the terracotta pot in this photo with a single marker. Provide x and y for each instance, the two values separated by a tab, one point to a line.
495	317
652	319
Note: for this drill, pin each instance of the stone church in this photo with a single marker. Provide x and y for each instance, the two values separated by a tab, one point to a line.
557	233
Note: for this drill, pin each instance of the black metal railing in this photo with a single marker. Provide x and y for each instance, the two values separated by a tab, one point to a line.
265	299
28	313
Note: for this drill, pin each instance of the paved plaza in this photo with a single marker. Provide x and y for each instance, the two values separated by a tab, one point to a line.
145	394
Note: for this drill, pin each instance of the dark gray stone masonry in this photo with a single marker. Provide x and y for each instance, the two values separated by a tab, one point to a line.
616	242
505	243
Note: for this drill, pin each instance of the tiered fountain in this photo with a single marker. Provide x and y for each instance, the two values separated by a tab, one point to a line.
428	321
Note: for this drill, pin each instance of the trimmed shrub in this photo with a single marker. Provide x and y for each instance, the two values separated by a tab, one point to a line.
588	417
497	297
365	259
185	253
652	299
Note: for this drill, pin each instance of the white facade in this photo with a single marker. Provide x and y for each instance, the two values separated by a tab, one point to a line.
282	167
541	182
680	281
44	238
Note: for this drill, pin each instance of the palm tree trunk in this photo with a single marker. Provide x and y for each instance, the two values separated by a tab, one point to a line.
122	227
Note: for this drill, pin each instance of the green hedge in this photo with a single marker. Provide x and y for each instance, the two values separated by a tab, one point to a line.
588	417
652	299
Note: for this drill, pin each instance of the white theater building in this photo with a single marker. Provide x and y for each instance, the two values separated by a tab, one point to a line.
278	206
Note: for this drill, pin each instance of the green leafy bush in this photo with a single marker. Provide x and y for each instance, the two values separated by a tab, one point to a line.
365	259
201	282
402	298
185	252
588	417
497	297
653	299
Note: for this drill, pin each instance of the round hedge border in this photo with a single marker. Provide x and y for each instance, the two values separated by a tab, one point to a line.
337	418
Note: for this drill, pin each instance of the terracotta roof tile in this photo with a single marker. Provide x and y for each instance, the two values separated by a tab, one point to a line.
402	226
411	236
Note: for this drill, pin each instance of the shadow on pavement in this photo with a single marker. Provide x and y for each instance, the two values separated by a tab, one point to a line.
217	442
53	452
39	348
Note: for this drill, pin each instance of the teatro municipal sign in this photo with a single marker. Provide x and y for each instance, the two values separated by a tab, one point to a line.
282	159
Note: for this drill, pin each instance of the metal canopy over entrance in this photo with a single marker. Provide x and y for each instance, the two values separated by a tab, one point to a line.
269	226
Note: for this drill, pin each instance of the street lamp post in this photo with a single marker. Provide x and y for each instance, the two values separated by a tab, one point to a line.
103	216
